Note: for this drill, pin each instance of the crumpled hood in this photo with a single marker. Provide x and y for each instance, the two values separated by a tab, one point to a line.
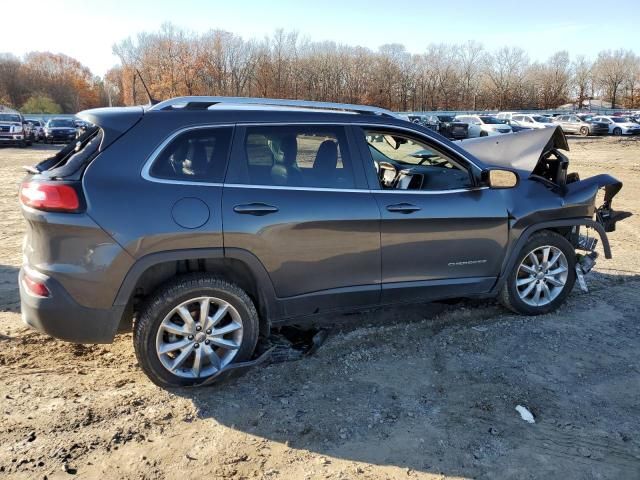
521	150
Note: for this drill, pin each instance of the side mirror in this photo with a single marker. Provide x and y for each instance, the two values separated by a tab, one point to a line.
500	178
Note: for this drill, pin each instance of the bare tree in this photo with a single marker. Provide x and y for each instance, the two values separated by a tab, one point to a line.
612	70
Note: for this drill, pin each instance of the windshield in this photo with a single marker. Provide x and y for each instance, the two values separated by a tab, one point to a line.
619	119
9	117
61	122
492	120
446	118
541	119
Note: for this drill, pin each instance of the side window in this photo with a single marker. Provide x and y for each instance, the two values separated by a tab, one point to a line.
517	118
295	156
198	155
405	162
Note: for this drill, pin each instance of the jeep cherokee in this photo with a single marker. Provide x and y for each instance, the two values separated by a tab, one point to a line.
202	222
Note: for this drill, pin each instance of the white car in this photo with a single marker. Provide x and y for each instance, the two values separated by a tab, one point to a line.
506	115
619	125
484	125
532	120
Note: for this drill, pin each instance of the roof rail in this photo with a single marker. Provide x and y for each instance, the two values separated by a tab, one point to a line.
203	103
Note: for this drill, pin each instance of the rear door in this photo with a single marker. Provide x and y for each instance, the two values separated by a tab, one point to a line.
296	198
440	235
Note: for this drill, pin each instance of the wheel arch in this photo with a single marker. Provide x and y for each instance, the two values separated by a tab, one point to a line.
562	227
235	265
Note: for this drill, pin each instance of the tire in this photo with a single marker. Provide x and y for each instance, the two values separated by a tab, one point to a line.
150	330
584	131
510	295
617	131
484	134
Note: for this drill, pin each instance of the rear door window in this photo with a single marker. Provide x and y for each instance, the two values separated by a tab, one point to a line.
198	155
314	156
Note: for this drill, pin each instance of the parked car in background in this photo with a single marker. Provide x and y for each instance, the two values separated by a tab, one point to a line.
581	125
59	130
37	130
506	115
516	126
448	126
12	129
619	125
533	121
483	125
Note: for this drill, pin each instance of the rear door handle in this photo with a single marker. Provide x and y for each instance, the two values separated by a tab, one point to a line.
258	209
403	208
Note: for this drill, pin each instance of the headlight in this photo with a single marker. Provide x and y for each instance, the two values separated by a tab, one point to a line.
17	129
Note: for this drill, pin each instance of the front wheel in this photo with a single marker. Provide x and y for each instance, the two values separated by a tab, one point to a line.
542	277
584	131
617	131
193	327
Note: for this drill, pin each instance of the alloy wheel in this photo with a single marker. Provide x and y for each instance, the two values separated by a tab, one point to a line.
542	275
199	337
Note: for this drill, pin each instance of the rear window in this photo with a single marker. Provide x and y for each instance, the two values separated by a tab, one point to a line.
198	155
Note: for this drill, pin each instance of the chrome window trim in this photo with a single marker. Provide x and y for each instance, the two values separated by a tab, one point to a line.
350	190
146	168
145	173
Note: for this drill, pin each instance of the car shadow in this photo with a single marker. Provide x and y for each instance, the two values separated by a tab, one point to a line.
435	390
9	292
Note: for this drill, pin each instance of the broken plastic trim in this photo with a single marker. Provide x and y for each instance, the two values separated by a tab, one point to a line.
290	344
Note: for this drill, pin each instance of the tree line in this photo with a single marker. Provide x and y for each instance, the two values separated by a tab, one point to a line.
45	82
173	61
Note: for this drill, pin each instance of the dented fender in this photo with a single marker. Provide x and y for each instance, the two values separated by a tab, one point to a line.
586	189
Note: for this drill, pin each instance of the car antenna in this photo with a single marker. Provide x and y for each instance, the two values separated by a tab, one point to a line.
152	101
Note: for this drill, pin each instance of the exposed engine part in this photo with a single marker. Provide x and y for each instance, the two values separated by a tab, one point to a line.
584	265
587	262
585	242
581	281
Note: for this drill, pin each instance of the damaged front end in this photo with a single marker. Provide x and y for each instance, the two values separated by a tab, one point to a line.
553	198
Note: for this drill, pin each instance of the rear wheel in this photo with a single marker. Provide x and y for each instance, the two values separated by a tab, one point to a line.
193	327
617	131
542	277
584	131
483	134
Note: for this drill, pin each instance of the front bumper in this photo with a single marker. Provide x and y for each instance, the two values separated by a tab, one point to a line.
12	139
60	316
60	137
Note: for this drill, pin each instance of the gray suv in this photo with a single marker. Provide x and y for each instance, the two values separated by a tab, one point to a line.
204	222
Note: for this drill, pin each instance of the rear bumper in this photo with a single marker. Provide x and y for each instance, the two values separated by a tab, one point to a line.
60	316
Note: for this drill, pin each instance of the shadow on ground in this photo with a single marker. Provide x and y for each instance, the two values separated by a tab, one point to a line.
437	393
9	293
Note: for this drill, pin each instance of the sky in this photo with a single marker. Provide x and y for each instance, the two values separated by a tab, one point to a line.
87	30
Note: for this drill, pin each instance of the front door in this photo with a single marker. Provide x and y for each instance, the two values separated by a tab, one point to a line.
295	197
441	236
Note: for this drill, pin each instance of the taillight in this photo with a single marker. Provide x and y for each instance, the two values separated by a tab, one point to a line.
49	196
35	287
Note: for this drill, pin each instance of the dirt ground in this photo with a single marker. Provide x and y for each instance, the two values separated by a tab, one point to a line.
427	391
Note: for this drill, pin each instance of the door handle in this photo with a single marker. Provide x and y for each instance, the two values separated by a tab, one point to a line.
403	208
258	209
